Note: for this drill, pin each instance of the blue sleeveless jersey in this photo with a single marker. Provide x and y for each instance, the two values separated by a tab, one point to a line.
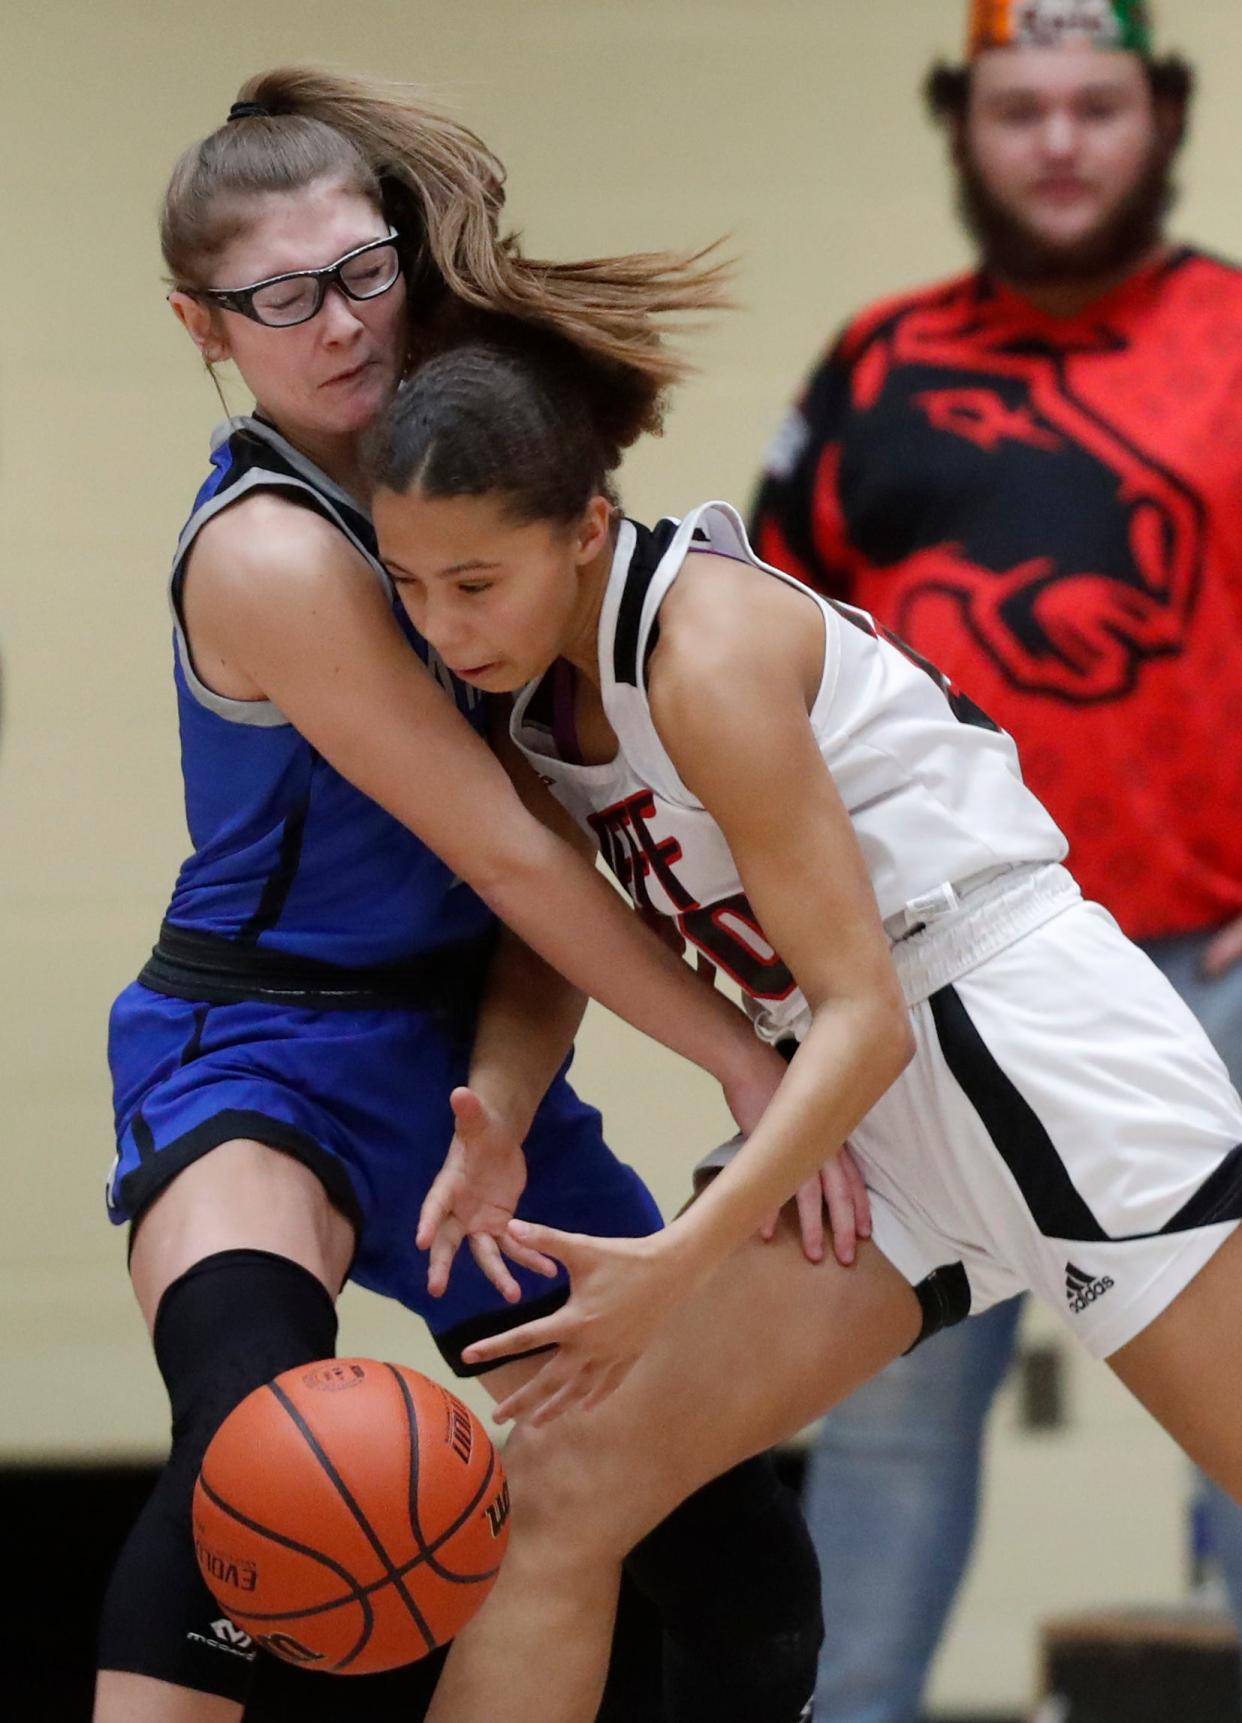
288	856
317	979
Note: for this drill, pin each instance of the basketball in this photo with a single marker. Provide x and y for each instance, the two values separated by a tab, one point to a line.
350	1515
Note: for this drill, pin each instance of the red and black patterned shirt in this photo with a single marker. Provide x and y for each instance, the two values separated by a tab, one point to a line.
1050	509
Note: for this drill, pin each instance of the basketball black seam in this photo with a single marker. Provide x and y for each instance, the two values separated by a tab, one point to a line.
428	1547
312	1441
356	1594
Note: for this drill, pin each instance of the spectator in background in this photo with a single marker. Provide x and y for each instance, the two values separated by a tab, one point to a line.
1033	475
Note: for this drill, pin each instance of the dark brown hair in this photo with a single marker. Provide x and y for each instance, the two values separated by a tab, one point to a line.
530	419
443	190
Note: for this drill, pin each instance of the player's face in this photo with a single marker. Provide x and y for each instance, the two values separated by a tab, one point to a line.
1060	139
499	599
330	376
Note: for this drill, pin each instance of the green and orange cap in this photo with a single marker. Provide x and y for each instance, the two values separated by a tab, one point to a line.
1117	24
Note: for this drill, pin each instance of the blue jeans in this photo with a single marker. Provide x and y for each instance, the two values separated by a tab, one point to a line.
892	1484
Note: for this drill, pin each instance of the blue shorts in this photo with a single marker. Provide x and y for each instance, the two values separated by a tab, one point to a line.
361	1098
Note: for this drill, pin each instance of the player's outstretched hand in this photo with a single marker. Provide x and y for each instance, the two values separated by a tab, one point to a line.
474	1196
837	1187
622	1288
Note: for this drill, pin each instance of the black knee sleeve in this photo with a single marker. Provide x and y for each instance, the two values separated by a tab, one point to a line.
228	1325
733	1575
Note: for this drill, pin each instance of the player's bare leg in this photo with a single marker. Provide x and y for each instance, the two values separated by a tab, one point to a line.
786	1339
141	1699
243	1195
1186	1368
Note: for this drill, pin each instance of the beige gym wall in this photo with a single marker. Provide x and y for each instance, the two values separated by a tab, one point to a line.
794	127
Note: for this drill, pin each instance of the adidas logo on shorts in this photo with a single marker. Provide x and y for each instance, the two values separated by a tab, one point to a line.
1081	1290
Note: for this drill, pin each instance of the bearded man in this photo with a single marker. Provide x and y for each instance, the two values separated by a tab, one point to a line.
1033	475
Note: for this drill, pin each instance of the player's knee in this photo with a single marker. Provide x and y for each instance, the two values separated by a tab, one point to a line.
583	1495
229	1324
550	1478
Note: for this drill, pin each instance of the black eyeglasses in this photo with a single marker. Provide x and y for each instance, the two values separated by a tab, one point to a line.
281	301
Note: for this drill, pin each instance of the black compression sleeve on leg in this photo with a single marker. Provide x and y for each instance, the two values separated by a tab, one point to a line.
733	1574
229	1324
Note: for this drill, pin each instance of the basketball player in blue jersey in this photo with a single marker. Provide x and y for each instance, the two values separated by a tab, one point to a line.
832	824
284	1064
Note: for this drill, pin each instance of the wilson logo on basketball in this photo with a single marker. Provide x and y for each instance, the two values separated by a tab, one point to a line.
223	1569
461	1432
335	1376
498	1511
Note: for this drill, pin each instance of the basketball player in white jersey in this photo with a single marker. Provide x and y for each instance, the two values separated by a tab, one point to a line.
825	819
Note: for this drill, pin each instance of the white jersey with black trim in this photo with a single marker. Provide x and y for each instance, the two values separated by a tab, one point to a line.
933	788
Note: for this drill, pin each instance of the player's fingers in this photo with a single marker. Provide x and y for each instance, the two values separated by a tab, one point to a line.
810	1205
546	1331
469	1113
563	1246
559	1383
486	1253
443	1251
573	1393
767	1232
431	1216
840	1201
607	1383
860	1194
523	1399
532	1259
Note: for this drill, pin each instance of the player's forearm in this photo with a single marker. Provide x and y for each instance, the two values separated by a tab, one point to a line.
525	1028
851	1055
580	925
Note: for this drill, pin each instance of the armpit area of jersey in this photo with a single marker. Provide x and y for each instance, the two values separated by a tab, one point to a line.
205	968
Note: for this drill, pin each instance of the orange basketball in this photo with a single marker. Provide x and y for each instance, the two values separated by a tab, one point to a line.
351	1516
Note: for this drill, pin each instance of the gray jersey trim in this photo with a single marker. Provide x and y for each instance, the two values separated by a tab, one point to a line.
260	714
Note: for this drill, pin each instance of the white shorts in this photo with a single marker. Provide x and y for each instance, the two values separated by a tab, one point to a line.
1065	1127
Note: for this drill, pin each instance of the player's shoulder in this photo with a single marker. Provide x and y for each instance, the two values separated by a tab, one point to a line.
268	562
883	315
717	617
267	537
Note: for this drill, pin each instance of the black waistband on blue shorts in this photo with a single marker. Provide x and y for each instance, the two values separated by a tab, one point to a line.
212	970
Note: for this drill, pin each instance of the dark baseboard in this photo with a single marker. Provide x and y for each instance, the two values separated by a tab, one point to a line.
64	1526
